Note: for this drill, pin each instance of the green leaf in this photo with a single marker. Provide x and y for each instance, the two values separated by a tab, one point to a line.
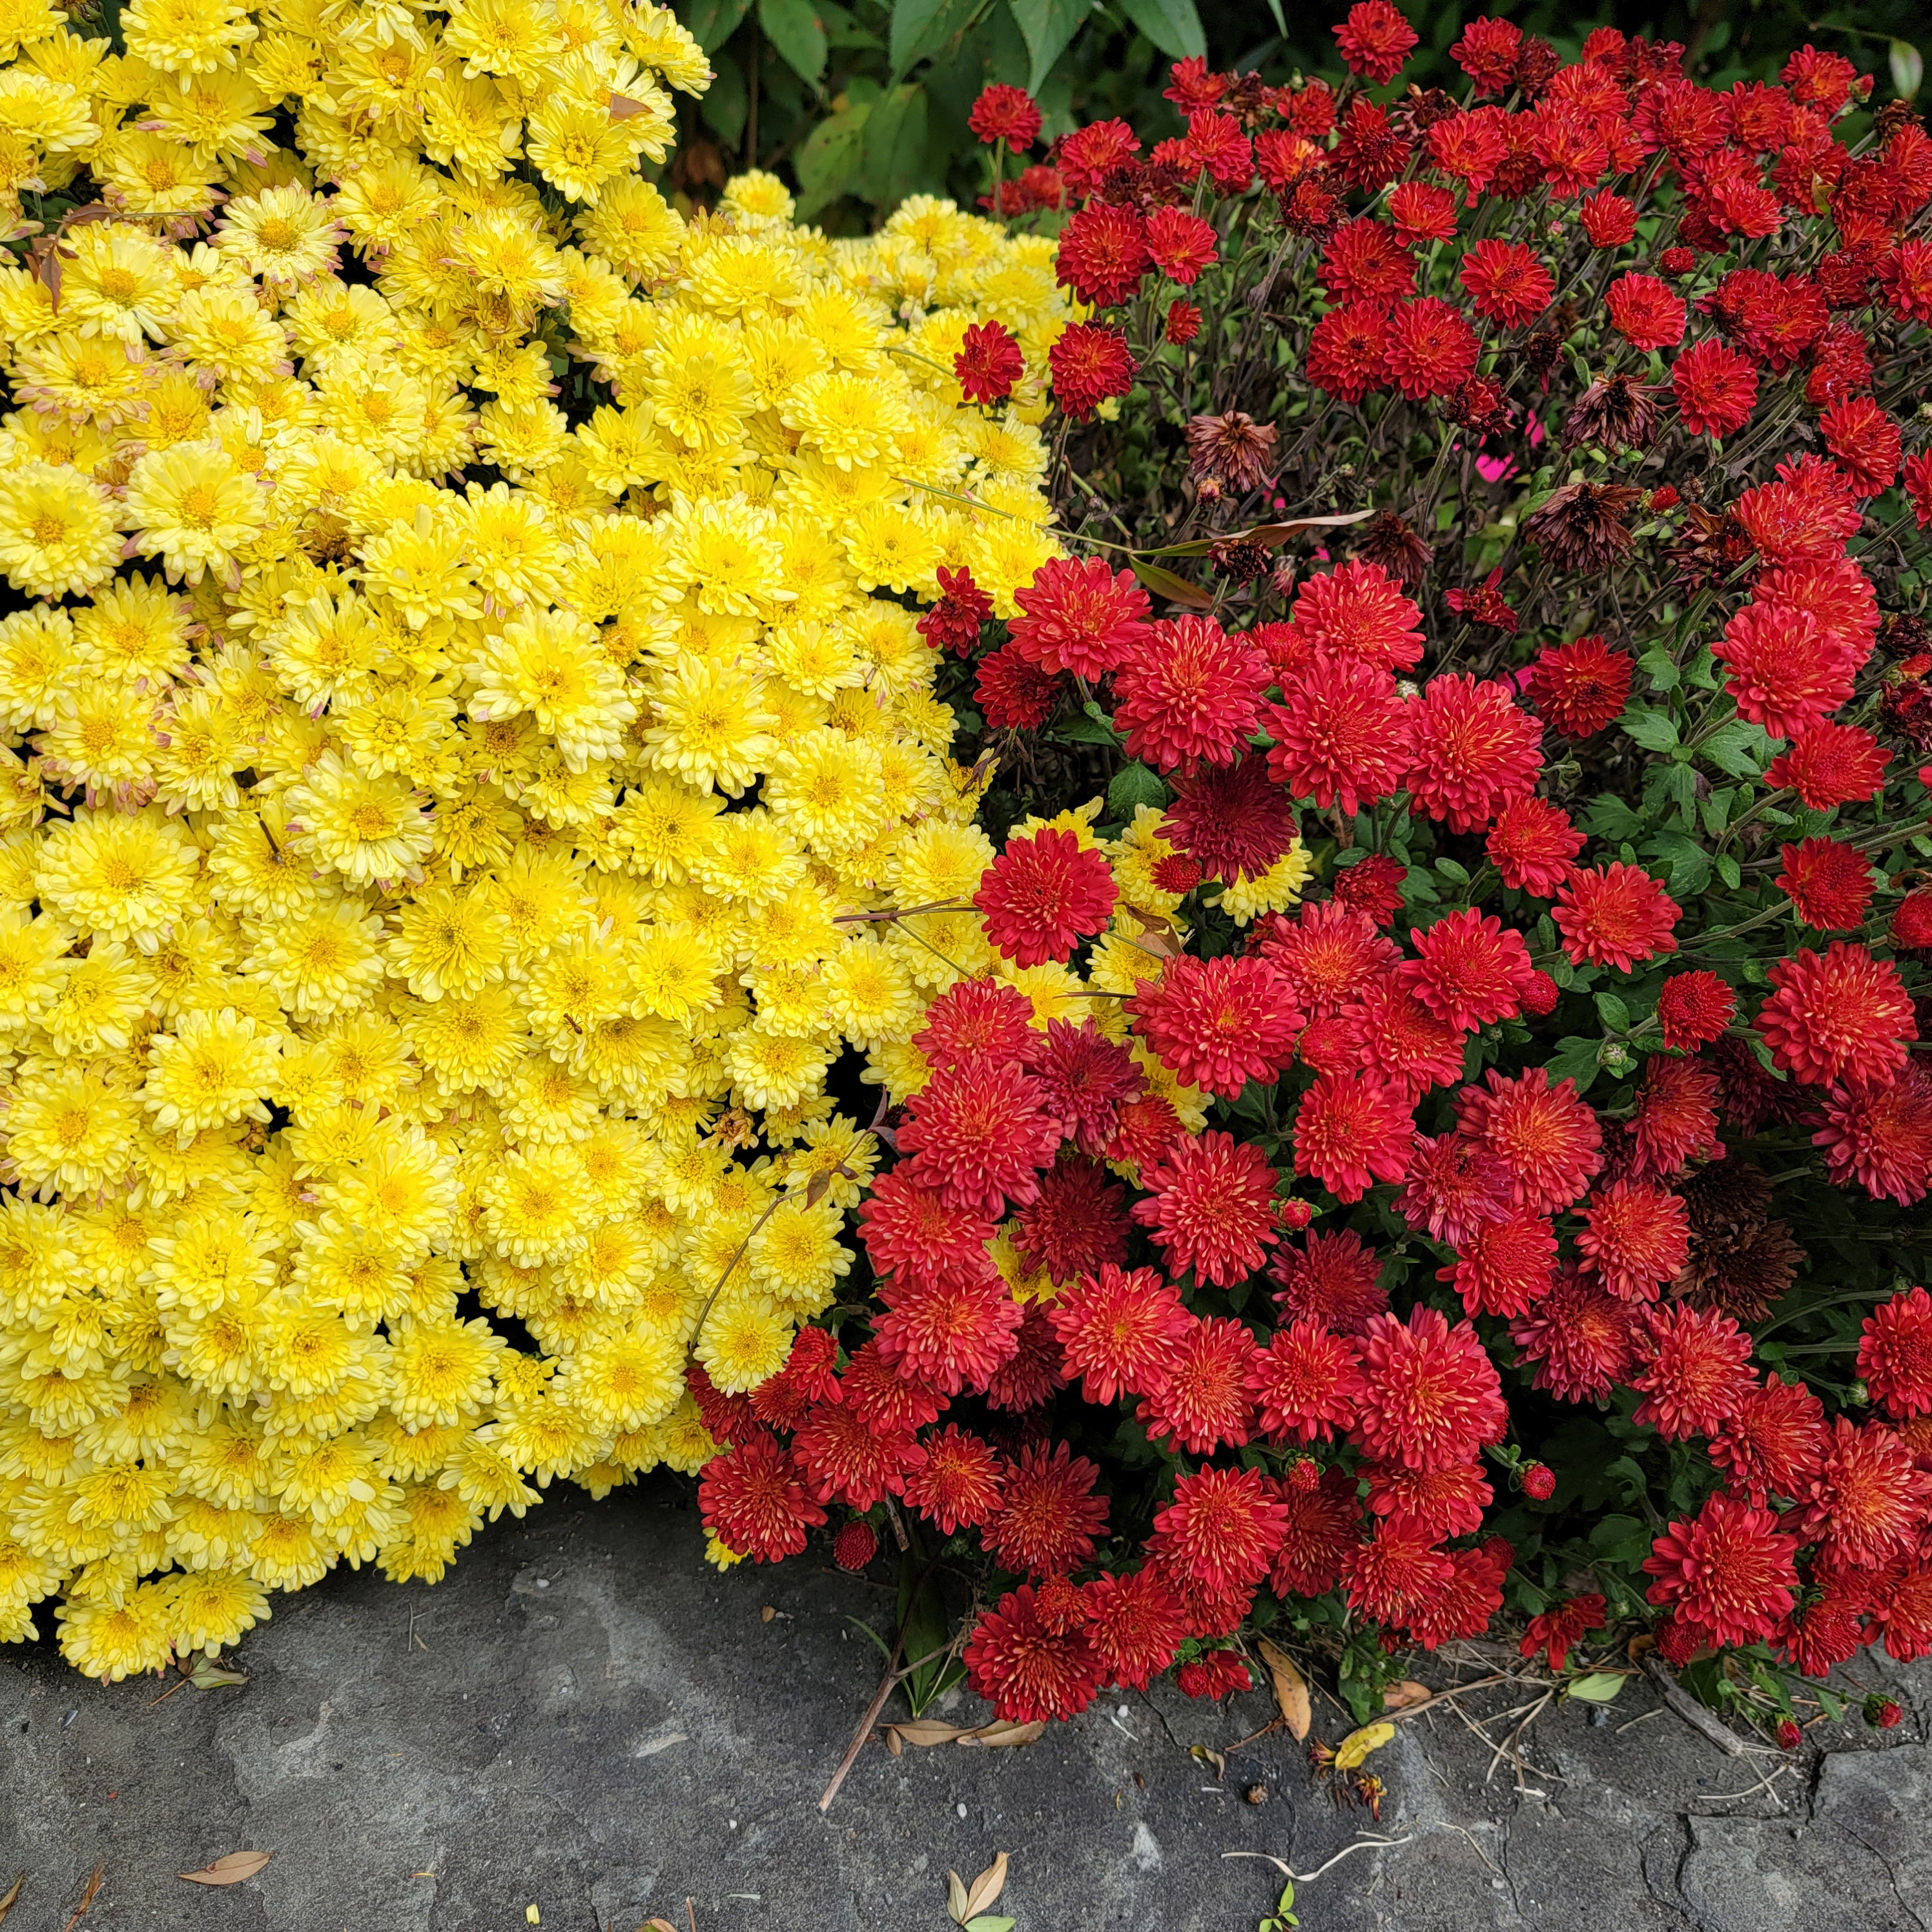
794	27
1047	26
1575	1059
896	144
1134	786
988	1922
1452	871
920	28
1730	871
1614	1014
723	106
1082	730
1741	749
1662	667
1599	1687
831	157
1173	26
1655	730
1689	863
712	22
1609	817
1164	583
1908	69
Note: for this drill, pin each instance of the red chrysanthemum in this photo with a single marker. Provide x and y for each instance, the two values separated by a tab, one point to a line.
1135	1624
1838	1016
1773	1443
953	1334
809	1376
1078	1223
1398	1035
1608	220
1221	1529
1043	894
1693	1008
1902	1609
1078	615
1431	1396
1635	1237
1210	1207
1531	845
1556	1632
1322	1527
989	362
1432	349
1422	211
1333	1280
1912	921
1579	687
891	1405
1204	1400
977	1132
1475	749
1675	1121
953	624
1306	1382
1375	39
958	1485
1505	1266
1693	1369
1895	1354
1648	313
1013	693
1217	1023
1359	610
1351	1131
1487	53
974	1019
1731	1571
1836	593
1008	114
1326	951
1364	260
1806	514
1214	141
1818	1637
1829	882
1619	916
1394	1575
1032	1375
1435	1504
1089	362
1189	690
1181	244
1469	969
1467	1603
1215	1674
1118	1331
1347	350
1084	1079
1048	1515
751	1500
1233	820
1183	322
1372	886
1869	1505
911	1233
1102	254
1828	764
1881	1137
1715	387
1580	1338
1454	1187
1864	442
843	1457
1506	283
1028	1666
1341	734
1544	1134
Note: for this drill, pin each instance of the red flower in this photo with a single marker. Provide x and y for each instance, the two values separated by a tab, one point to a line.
1181	244
1470	147
1365	261
1646	312
1838	1016
1334	1281
1487	53
988	364
1118	1331
1043	895
1635	1238
1676	1118
1581	686
1326	951
1433	1503
1048	1515
958	1486
1368	153
1014	693
1233	820
1531	844
1579	1336
1556	1631
882	1403
1505	1266
1135	1624
1090	155
1219	1023
1031	1376
1431	349
1307	1382
1694	1007
1836	595
1351	1131
1828	882
1359	611
1372	886
1218	1673
1215	142
953	623
1221	1529
1506	283
1693	1368
1007	114
1475	750
1431	1396
1870	1503
1730	1571
1188	690
1895	1354
1619	916
1545	1136
1103	254
1882	1136
1029	1667
1210	1207
1608	220
978	1134
1204	1400
1088	363
911	1232
1183	322
1347	350
1828	764
956	1332
1395	1574
1823	81
1320	1532
752	1501
1716	388
1375	40
1781	669
842	1457
1464	1605
1469	970
1077	1225
1865	441
1455	1186
1083	1080
1422	212
1484	603
1912	921
1773	1444
976	1017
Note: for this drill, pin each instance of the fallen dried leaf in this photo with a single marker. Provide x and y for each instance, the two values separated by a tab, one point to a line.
1291	1689
994	1734
13	1897
1357	1744
1405	1694
1205	1754
87	1897
986	1889
924	1731
657	1925
766	1615
229	1869
955	1898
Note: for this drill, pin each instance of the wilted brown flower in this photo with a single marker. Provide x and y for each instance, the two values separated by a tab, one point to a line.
1710	545
1233	449
1240	558
1479	407
1740	1261
1418	111
1615	412
1392	542
1581	527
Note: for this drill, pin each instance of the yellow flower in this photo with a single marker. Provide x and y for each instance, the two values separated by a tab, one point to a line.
57	533
193	508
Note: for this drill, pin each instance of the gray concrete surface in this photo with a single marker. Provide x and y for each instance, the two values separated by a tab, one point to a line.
584	1718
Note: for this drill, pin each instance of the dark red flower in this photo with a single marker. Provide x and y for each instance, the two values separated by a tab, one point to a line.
958	1487
1475	749
1007	114
1048	1515
1135	1624
1556	1632
1014	693
988	364
1644	311
1431	1396
1028	1668
1188	690
1333	1280
1306	1382
752	1501
1089	362
953	624
1579	1336
1219	1023
1043	895
1693	1008
1103	254
1431	348
1829	882
1209	1207
1375	40
1693	1368
1181	244
1506	283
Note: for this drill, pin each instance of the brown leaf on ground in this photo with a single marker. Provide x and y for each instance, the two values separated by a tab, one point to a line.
13	1897
1005	1733
1291	1689
923	1731
657	1925
229	1869
87	1897
986	1889
1406	1693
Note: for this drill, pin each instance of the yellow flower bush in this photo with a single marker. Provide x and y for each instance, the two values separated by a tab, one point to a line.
462	700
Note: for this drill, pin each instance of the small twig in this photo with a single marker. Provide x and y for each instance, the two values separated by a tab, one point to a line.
1687	1707
887	1684
1363	1844
1445	1696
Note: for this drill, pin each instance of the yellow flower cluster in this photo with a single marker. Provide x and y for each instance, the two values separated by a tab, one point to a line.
467	743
